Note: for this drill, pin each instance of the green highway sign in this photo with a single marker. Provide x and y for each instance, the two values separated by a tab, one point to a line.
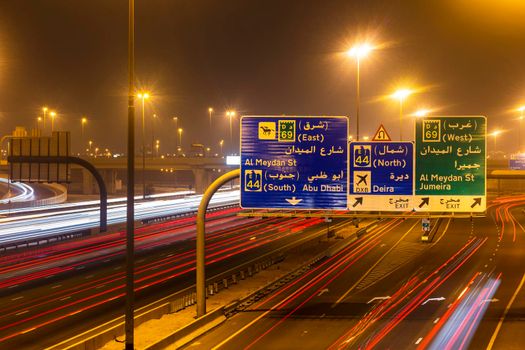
450	164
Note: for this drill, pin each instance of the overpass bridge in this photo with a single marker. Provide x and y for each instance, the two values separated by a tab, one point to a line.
203	169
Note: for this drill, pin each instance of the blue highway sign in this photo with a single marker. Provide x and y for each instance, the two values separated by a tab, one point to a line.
517	161
381	176
294	162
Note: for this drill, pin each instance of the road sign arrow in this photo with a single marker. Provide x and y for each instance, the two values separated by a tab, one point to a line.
322	292
294	201
477	201
433	299
378	298
358	201
424	201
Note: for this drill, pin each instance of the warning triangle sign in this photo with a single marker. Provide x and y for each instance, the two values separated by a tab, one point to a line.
381	134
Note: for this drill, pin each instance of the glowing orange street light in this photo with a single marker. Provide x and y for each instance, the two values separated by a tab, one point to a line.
180	137
53	115
143	96
495	133
401	95
44	110
521	110
359	52
210	111
421	113
231	114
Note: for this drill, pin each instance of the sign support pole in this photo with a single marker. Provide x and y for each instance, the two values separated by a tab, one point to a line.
201	216
129	326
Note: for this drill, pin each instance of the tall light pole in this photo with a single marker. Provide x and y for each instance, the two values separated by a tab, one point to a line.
210	111
230	115
38	121
495	133
521	110
153	121
358	52
180	137
129	327
143	96
83	122
44	109
401	95
176	120
53	114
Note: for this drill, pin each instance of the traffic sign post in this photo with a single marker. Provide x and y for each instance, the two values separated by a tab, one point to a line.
425	225
381	176
294	162
450	165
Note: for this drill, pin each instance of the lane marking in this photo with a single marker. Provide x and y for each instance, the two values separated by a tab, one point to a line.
502	318
56	286
436	320
264	314
419	340
22	312
65	298
20	297
90	276
338	301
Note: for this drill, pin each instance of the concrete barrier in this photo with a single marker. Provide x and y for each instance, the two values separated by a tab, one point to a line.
183	336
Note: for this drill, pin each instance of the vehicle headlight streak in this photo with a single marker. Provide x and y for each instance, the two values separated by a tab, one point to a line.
26	192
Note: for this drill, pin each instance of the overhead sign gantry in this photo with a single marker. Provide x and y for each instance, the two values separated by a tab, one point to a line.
294	162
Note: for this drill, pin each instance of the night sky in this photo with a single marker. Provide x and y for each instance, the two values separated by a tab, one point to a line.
257	57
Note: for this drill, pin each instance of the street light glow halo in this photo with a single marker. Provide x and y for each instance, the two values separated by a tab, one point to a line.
360	50
401	94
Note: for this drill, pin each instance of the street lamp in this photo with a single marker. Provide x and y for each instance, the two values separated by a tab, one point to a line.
38	121
53	115
495	133
401	95
44	109
231	114
421	113
180	138
221	143
521	110
90	144
83	122
358	52
157	146
210	111
153	121
176	120
143	96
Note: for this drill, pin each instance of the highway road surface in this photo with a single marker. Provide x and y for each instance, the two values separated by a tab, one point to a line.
52	293
388	290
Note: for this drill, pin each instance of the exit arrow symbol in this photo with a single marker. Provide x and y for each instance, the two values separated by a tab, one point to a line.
358	201
433	299
322	291
477	201
293	200
424	201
